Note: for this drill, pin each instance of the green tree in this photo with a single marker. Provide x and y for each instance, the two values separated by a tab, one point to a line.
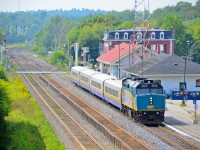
3	73
195	52
58	57
196	31
126	25
198	8
1	36
52	37
180	34
5	107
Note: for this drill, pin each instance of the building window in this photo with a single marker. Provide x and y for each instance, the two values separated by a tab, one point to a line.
161	35
105	71
153	35
139	37
126	35
161	49
198	82
153	47
116	35
105	36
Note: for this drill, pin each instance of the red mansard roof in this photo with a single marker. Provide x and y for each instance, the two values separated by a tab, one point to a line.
113	55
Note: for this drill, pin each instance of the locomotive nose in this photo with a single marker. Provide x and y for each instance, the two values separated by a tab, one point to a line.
151	101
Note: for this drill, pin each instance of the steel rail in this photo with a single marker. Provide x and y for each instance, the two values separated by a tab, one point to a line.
191	145
120	138
81	140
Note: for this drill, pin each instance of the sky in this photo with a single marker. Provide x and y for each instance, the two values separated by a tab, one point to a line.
118	5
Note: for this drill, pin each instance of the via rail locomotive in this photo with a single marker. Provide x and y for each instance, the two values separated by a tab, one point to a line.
139	98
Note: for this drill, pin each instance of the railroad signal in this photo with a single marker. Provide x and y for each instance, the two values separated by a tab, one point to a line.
194	101
184	92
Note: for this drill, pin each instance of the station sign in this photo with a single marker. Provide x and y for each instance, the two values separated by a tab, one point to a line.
179	95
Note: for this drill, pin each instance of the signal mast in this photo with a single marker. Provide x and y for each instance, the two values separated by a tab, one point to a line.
142	30
141	23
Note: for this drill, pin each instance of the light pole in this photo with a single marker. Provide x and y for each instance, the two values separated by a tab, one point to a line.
188	42
129	54
119	61
142	61
185	59
119	64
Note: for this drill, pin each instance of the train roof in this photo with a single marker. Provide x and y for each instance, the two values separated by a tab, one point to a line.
89	72
114	82
100	77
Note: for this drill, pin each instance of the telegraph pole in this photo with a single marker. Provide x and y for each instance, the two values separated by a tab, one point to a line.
76	54
1	55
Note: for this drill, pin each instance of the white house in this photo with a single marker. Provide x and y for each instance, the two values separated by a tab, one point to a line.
121	57
172	70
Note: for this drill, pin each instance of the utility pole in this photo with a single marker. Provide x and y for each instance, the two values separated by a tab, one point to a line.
76	54
1	55
119	64
142	61
19	21
69	55
142	26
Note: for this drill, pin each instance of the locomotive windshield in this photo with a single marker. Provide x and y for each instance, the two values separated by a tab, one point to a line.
149	88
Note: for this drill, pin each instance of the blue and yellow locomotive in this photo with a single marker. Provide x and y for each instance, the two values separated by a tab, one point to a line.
143	100
139	98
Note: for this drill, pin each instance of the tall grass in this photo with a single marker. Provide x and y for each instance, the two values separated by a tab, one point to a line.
27	125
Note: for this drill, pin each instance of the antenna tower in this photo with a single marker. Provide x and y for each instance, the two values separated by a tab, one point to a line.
142	34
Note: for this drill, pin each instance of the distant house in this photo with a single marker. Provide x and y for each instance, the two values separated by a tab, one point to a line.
122	56
119	53
161	41
168	68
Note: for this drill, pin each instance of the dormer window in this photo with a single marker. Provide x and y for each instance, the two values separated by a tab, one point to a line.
139	37
153	35
116	35
125	35
161	35
105	36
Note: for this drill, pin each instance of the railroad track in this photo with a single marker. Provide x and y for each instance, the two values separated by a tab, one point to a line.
175	141
116	134
80	136
113	133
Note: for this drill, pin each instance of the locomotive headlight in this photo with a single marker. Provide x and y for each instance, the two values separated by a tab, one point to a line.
151	101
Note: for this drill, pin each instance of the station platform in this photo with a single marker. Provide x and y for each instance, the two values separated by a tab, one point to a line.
181	118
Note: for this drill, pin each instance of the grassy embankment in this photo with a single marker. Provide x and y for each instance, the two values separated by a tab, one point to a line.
27	125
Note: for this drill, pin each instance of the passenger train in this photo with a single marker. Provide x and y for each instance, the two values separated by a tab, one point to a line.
139	98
